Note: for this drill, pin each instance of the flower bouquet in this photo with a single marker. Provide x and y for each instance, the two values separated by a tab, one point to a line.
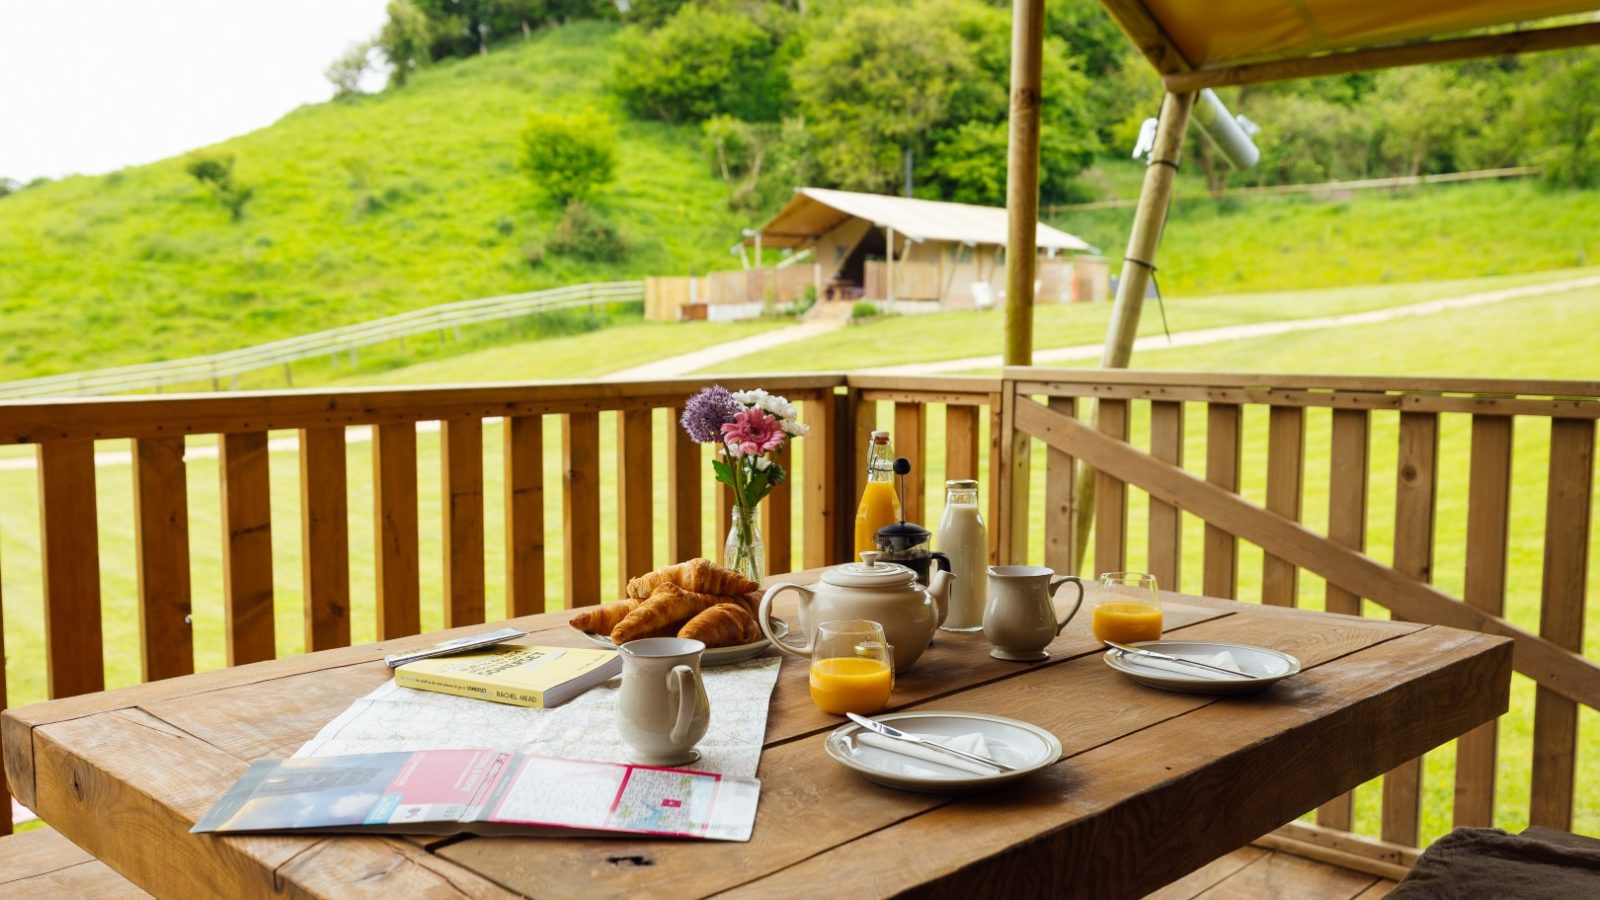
750	429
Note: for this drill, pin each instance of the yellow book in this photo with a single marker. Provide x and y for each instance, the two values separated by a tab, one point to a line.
540	677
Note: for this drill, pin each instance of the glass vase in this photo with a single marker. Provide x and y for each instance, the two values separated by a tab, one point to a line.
745	552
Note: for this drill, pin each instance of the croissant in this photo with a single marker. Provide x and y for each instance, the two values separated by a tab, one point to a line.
601	619
699	575
668	604
723	625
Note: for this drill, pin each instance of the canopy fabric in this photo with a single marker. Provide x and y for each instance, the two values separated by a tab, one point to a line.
1190	34
813	212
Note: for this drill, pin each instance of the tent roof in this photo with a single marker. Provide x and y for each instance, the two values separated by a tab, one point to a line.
813	212
1198	43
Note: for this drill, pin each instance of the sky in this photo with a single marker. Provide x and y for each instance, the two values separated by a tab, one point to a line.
91	86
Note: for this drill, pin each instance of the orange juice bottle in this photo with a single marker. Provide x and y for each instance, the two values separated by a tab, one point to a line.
880	504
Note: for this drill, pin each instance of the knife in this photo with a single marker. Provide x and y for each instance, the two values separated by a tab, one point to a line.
1140	651
890	731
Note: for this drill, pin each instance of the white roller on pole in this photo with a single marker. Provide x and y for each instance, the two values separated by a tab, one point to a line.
1226	132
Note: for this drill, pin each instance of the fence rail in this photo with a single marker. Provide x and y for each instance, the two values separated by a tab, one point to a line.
232	363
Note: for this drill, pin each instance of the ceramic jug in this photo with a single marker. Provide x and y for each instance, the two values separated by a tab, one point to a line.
877	591
1019	619
662	709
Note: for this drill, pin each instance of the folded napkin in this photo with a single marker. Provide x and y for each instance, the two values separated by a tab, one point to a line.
1223	660
969	743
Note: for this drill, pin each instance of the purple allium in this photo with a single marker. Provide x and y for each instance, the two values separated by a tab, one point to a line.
705	413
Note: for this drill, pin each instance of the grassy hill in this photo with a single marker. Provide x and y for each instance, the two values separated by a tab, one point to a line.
144	264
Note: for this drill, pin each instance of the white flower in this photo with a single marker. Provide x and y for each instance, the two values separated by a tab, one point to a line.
762	463
753	397
733	447
794	429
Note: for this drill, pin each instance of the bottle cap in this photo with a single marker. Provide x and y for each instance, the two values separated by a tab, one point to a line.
880	437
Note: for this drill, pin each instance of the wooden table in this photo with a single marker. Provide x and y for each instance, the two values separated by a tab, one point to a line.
1150	786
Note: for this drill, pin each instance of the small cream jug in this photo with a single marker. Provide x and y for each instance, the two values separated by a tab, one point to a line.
662	709
878	591
1019	619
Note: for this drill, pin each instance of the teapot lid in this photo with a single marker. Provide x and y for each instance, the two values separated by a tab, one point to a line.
869	573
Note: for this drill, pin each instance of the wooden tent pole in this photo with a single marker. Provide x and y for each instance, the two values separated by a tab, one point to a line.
1149	218
1022	177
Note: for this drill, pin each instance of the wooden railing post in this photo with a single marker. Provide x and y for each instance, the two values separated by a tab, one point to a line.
1111	497
325	537
394	507
684	464
161	535
1166	523
1013	485
580	506
911	442
777	528
1286	442
635	503
1224	442
244	468
524	489
461	486
1347	525
1060	515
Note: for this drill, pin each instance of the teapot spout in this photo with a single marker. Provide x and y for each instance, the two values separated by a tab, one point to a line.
939	590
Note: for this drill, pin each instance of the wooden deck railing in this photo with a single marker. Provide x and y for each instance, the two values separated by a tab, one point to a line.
1279	454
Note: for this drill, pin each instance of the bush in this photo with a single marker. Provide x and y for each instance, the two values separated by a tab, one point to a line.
704	62
346	72
533	255
569	157
584	234
864	309
808	299
216	172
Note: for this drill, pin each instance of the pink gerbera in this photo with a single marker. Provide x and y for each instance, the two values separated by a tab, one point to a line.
752	433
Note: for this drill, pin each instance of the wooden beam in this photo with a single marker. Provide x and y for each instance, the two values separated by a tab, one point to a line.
1022	177
1148	35
1504	44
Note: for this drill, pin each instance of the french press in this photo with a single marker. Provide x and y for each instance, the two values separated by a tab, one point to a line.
907	543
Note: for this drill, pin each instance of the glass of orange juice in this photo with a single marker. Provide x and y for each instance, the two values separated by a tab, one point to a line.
1127	608
852	667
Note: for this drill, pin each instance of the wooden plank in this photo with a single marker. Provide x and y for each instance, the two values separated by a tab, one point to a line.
864	418
998	485
325	538
580	508
1544	661
1488	524
961	441
244	468
823	466
1054	381
1504	43
636	511
69	550
41	863
723	496
1224	445
394	506
1060	510
1212	873
1415	489
1347	526
161	537
911	442
1286	443
461	487
1111	497
685	464
777	522
1165	522
1147	34
1288	875
1354	851
523	458
1013	481
1568	500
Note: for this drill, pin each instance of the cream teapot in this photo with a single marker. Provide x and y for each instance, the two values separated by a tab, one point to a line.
883	592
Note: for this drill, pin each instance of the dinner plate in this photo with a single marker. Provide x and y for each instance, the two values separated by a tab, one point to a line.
717	656
1028	747
1267	666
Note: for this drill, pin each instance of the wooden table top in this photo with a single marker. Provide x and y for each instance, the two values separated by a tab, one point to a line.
1150	785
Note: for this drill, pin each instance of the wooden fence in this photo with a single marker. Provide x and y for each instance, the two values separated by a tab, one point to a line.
673	298
1148	423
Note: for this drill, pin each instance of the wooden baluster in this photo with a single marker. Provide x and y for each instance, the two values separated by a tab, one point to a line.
823	468
1561	602
161	522
777	524
911	442
724	505
1286	442
1488	522
325	537
1416	485
69	547
685	463
523	459
1013	478
635	506
580	506
461	489
1347	525
843	501
865	418
1224	442
1111	498
1166	524
1059	504
394	505
997	478
961	441
244	469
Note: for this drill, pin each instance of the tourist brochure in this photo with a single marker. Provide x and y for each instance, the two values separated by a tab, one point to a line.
483	792
540	677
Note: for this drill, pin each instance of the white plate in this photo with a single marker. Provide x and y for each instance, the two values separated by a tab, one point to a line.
717	656
1268	666
1028	747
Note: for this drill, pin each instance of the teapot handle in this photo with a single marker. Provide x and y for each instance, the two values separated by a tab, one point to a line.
764	616
1075	605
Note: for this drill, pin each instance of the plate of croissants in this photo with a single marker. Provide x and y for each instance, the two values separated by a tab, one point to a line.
695	599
